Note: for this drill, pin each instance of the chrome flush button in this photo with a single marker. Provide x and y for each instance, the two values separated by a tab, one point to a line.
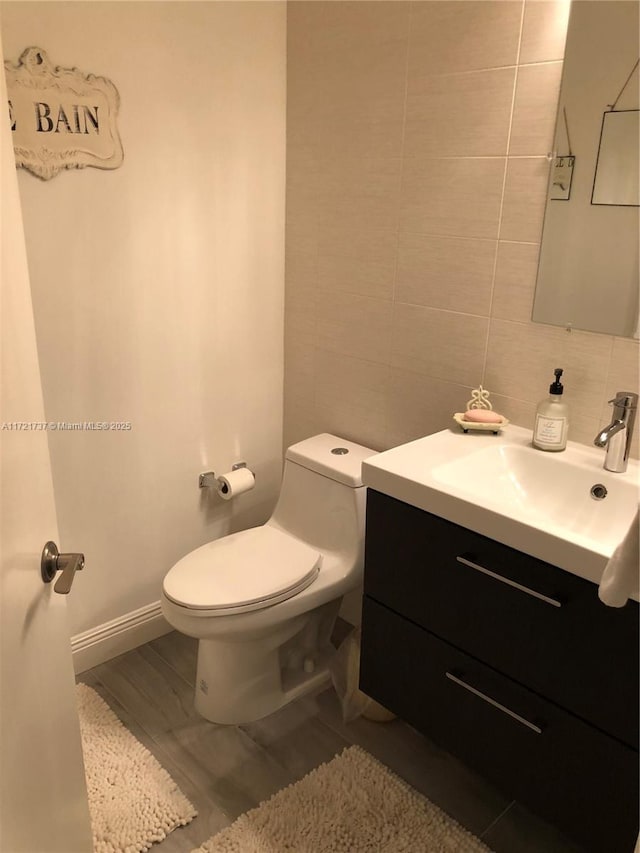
339	451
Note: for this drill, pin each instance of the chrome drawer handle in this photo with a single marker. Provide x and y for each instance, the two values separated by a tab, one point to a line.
553	601
495	704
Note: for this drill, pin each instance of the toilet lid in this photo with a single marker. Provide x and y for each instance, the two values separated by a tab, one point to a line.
244	571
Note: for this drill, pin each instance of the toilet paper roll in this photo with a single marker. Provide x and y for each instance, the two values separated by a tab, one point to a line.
235	483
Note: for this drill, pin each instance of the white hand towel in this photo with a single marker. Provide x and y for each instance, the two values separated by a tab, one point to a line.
620	577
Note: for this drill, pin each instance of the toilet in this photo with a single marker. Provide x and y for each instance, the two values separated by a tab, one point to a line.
263	602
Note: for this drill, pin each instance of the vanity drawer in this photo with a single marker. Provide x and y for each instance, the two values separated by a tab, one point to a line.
541	626
564	769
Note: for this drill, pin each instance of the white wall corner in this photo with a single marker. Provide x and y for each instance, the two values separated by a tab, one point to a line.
113	638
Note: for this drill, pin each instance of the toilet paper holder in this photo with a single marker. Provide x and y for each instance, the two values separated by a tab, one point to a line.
208	479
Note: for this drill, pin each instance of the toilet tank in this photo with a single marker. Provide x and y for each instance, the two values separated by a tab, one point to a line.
322	498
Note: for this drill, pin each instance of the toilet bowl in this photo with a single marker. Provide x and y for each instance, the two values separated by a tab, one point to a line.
263	602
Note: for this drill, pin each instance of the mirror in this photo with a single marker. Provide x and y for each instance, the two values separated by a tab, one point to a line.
588	269
616	180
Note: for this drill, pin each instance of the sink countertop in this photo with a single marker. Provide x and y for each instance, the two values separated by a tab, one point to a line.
502	487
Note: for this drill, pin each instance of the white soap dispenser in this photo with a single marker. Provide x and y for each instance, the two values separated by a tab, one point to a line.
552	418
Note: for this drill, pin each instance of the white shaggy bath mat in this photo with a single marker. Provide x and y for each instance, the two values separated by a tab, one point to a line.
353	804
132	799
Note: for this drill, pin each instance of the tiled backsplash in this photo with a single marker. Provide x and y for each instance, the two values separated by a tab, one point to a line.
416	183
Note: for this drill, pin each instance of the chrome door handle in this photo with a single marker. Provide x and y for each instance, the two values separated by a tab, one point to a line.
52	561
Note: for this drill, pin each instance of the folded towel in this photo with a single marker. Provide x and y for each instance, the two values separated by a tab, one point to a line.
620	577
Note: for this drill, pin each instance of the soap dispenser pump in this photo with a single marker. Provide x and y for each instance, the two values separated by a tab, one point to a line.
552	418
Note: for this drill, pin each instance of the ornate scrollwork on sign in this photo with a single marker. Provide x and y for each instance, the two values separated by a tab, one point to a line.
60	117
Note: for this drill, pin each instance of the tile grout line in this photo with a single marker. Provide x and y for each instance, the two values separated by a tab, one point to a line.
121	700
151	647
483	375
496	820
394	289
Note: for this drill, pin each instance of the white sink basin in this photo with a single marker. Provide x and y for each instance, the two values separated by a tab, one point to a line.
545	490
502	487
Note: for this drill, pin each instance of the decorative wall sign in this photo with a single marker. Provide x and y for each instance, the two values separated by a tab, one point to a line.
60	117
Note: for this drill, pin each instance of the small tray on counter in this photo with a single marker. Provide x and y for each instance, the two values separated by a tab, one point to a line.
473	425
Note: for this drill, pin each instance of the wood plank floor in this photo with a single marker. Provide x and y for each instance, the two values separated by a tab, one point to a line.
226	770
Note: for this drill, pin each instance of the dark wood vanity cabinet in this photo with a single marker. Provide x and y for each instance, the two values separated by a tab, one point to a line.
511	664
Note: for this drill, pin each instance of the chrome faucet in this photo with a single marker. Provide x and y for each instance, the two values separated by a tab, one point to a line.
617	436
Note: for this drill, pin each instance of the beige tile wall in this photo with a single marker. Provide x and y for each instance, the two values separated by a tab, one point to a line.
416	182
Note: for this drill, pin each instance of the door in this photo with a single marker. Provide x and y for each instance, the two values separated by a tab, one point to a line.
43	797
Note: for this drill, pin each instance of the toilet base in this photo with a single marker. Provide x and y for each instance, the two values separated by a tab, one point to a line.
248	712
242	681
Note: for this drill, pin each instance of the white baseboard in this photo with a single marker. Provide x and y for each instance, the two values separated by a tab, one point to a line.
105	641
114	638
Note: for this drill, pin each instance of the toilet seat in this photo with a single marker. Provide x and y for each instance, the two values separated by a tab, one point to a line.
241	572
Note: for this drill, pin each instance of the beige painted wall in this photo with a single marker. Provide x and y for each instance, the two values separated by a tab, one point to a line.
416	180
158	288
